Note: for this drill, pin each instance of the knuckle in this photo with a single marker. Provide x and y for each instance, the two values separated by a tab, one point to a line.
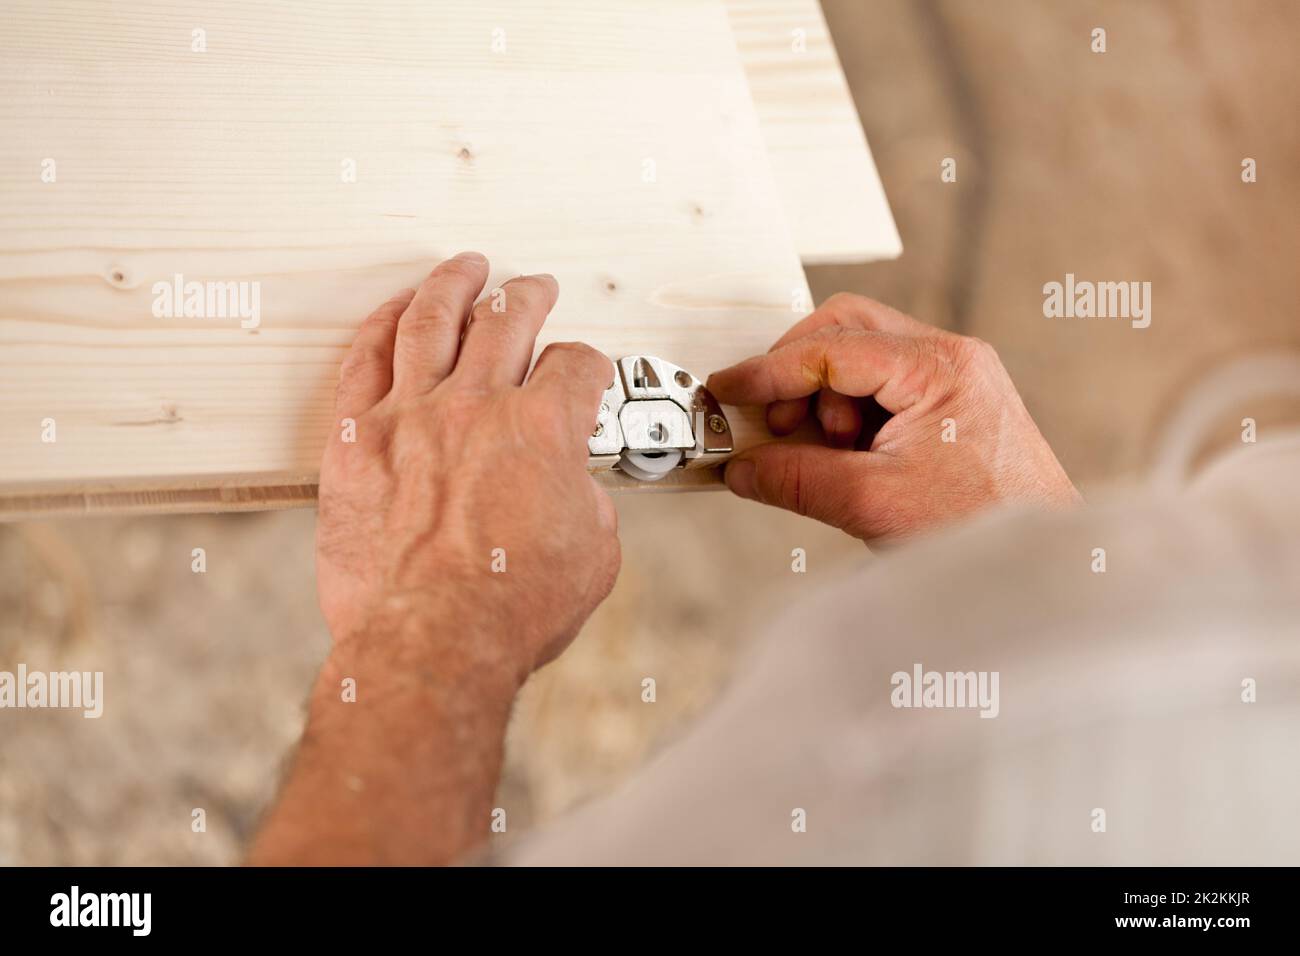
524	294
588	360
934	370
485	310
843	302
967	362
567	348
458	269
832	335
436	304
363	359
387	313
817	367
583	352
973	351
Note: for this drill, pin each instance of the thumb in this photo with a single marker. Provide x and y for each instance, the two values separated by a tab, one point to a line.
823	483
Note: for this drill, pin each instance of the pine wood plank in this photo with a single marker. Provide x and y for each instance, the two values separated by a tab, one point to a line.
226	166
822	164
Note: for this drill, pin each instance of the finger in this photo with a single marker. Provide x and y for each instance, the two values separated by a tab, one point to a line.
840	418
428	333
895	369
850	311
847	311
367	371
573	377
785	417
503	329
812	480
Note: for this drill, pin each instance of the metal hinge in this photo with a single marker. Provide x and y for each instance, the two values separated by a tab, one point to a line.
655	417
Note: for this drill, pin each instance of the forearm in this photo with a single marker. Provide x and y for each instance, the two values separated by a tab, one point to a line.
406	772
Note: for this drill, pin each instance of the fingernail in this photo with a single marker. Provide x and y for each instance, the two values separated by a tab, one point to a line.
476	257
739	477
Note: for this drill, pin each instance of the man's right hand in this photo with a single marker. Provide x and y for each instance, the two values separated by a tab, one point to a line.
959	439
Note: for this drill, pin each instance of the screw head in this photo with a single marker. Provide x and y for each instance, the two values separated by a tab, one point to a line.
717	424
598	430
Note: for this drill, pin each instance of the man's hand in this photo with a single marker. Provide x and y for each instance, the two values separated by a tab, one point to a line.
465	491
460	545
959	439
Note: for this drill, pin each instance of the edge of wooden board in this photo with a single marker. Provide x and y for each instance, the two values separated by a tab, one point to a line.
217	496
822	165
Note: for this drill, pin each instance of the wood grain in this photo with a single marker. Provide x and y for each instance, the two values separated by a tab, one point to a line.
226	166
820	158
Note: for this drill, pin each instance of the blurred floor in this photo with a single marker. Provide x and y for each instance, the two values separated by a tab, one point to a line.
1118	166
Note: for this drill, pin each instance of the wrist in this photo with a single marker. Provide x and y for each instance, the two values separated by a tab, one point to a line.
416	641
403	745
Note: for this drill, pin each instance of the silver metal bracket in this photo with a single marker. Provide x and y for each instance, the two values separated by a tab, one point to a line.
655	417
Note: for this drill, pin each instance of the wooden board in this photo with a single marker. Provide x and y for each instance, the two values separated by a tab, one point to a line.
820	158
614	145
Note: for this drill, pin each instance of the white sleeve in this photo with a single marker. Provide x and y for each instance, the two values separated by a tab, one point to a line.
1162	692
